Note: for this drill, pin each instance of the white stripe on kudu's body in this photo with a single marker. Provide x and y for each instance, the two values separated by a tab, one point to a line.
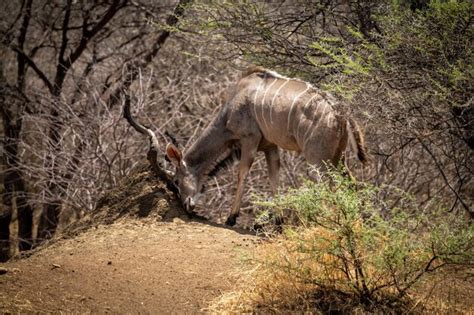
308	102
293	104
257	91
274	96
324	107
238	126
263	102
304	109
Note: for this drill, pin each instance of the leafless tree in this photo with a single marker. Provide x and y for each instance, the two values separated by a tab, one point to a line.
61	82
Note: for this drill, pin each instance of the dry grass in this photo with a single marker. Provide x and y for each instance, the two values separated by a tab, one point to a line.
283	279
448	292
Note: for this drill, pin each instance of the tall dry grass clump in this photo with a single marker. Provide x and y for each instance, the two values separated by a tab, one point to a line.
347	250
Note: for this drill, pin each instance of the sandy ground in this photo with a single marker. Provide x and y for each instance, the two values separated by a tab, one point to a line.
130	266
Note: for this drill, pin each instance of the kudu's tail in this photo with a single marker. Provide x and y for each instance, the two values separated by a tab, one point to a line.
356	138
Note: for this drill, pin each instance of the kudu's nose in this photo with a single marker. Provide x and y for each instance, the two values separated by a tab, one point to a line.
189	204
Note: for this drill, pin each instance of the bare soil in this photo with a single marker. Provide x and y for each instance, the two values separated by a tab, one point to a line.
127	267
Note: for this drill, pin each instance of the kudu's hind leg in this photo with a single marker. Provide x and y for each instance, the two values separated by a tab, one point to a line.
273	162
272	157
249	150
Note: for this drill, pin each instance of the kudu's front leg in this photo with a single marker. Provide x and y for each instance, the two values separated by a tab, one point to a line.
249	150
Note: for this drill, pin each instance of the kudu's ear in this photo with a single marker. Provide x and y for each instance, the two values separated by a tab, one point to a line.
174	154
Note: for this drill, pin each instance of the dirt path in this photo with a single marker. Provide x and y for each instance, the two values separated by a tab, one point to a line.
127	267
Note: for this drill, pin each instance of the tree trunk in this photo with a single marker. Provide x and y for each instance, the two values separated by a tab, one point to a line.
5	219
49	221
14	183
50	216
13	180
25	217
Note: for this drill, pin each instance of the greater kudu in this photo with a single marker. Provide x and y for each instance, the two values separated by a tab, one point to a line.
265	111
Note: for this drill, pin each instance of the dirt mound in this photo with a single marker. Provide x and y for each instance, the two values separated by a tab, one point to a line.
140	195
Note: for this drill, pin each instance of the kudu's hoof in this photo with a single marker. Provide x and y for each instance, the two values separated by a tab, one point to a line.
231	221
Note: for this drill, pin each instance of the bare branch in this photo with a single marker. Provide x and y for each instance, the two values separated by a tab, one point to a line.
33	65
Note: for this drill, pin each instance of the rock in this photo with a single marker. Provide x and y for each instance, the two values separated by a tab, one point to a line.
3	270
54	266
178	221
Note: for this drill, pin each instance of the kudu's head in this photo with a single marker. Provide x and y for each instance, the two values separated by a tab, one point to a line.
189	186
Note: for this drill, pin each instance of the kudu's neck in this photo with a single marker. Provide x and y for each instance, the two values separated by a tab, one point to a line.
204	154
